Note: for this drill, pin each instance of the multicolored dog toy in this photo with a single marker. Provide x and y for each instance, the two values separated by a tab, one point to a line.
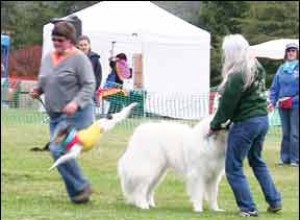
73	142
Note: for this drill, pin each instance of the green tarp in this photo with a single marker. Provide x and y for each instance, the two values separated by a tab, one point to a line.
274	118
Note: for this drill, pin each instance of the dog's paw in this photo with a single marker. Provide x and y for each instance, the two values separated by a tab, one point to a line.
152	204
143	206
198	208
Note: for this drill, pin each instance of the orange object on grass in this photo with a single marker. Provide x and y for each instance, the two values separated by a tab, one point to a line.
103	93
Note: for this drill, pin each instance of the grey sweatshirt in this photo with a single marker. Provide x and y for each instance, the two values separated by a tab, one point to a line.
70	80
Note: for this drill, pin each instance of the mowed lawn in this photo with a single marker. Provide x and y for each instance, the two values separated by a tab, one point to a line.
30	192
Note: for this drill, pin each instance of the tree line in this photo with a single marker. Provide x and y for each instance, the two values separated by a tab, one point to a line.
258	21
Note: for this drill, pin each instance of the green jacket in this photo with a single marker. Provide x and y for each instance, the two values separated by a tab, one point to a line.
237	104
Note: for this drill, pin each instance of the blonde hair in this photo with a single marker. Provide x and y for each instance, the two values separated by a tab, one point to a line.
237	59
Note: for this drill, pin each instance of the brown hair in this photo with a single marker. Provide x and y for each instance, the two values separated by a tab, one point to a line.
84	37
122	56
65	29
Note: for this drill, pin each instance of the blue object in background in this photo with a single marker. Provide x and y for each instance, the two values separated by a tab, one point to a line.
5	46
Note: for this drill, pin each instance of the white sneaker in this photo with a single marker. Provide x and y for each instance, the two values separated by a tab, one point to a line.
294	165
249	213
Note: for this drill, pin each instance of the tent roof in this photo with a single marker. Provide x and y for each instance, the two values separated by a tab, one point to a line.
136	17
273	49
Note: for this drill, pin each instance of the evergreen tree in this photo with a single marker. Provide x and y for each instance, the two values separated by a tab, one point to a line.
24	20
219	18
257	21
266	21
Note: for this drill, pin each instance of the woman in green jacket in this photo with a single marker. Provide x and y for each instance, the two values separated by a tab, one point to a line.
243	102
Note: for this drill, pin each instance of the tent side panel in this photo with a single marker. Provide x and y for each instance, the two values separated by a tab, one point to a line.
178	73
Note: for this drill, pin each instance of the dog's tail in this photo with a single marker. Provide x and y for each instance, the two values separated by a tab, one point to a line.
45	148
116	118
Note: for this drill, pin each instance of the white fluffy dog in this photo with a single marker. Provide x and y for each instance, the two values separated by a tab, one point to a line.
156	146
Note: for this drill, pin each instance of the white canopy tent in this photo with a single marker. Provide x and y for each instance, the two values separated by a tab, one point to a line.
273	49
176	54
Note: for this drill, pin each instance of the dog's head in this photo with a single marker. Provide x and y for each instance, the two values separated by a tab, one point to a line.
111	120
221	136
217	139
106	123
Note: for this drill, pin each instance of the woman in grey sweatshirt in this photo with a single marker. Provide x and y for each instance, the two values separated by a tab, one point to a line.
67	81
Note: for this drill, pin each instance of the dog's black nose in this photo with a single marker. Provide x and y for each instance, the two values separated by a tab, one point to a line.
109	116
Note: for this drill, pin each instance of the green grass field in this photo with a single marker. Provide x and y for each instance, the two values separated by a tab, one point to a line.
30	192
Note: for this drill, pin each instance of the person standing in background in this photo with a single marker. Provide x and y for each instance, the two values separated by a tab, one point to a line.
284	93
84	44
119	71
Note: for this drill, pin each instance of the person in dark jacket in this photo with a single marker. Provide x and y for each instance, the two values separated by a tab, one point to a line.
84	44
119	71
